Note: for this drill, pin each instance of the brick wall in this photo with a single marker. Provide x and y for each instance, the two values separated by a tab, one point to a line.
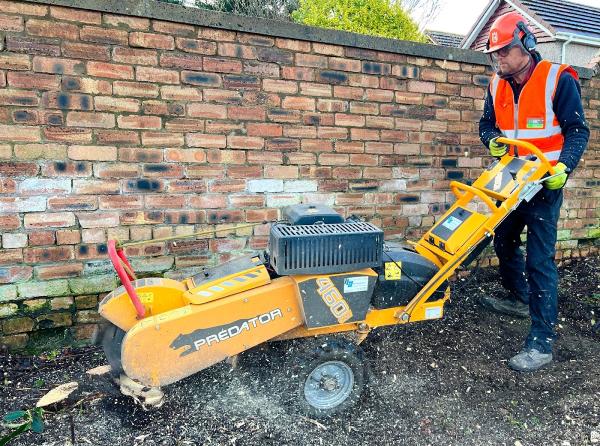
167	121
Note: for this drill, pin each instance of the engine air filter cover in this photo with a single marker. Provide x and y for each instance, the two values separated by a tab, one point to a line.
325	248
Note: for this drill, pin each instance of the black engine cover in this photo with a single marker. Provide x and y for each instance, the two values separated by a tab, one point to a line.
397	286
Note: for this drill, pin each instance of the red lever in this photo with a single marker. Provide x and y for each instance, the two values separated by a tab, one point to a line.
125	273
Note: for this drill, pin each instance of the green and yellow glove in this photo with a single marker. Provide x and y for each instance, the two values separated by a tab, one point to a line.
559	180
497	150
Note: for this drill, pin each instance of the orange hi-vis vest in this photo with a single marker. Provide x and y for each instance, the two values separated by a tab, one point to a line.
531	119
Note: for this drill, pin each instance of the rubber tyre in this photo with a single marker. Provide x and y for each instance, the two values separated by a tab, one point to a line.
311	360
111	340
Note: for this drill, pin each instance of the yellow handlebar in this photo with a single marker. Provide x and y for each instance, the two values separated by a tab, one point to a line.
455	187
530	147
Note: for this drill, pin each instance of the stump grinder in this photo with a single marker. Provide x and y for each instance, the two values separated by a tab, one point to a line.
323	283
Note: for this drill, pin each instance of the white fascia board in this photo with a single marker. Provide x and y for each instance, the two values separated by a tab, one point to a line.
484	19
578	38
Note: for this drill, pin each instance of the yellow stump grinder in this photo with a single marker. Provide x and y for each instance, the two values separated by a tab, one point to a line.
323	278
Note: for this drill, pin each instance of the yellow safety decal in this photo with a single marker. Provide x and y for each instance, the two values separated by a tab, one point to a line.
393	271
146	297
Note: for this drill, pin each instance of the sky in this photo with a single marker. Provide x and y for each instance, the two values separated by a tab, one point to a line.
458	16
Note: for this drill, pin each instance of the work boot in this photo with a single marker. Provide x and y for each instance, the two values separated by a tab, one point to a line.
529	360
510	305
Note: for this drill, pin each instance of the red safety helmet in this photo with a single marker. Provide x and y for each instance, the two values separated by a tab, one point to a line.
510	29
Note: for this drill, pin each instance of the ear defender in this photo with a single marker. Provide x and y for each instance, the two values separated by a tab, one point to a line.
528	40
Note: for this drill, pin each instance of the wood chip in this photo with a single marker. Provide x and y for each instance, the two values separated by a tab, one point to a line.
58	394
100	370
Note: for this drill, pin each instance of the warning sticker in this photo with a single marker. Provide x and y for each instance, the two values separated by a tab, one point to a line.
452	223
393	270
146	297
433	313
356	284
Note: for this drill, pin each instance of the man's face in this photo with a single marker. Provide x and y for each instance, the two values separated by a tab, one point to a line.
510	59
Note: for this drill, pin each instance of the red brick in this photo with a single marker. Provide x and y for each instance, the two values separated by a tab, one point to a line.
264	129
148	40
59	271
380	122
108	36
139	122
316	145
394	135
13	7
360	159
160	201
33	81
301	158
261	158
11	23
311	60
363	80
87	85
14	274
348	92
18	97
217	34
95	187
331	50
182	62
364	108
205	140
76	15
110	70
245	142
135	89
173	28
209	111
13	61
333	159
149	74
378	148
163	170
176	93
135	56
343	119
298	73
90	119
236	50
185	155
19	133
11	256
64	134
46	28
298	103
49	220
349	147
72	203
162	139
113	104
9	222
48	254
279	86
246	113
18	169
407	97
246	172
332	132
67	169
222	65
186	125
196	46
93	153
314	89
245	201
110	202
85	51
226	187
58	65
364	134
117	137
208	201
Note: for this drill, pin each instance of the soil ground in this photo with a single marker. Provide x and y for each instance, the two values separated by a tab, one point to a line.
443	382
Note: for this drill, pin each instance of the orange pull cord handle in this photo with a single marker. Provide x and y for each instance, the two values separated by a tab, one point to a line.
125	273
530	147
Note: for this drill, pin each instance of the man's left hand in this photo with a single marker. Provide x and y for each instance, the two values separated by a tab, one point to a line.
558	181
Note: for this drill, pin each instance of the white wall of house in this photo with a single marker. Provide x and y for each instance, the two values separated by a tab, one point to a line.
576	54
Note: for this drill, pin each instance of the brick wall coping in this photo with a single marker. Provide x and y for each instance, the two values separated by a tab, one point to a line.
213	19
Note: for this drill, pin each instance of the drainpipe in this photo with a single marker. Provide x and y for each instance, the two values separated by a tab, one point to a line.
564	45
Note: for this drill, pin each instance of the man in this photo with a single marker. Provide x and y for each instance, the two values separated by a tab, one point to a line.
540	102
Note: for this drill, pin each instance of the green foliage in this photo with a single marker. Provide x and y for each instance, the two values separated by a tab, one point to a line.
21	421
374	17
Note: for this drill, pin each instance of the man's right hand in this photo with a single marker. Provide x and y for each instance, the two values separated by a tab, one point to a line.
497	150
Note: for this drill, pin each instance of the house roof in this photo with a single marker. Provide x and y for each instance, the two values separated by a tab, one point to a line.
444	38
567	17
547	17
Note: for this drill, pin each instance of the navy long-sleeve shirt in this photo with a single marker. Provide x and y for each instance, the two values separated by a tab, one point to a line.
568	110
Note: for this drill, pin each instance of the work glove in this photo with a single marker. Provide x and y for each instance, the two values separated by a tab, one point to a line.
559	180
497	150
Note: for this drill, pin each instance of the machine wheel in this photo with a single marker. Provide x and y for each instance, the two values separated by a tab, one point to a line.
111	340
329	376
